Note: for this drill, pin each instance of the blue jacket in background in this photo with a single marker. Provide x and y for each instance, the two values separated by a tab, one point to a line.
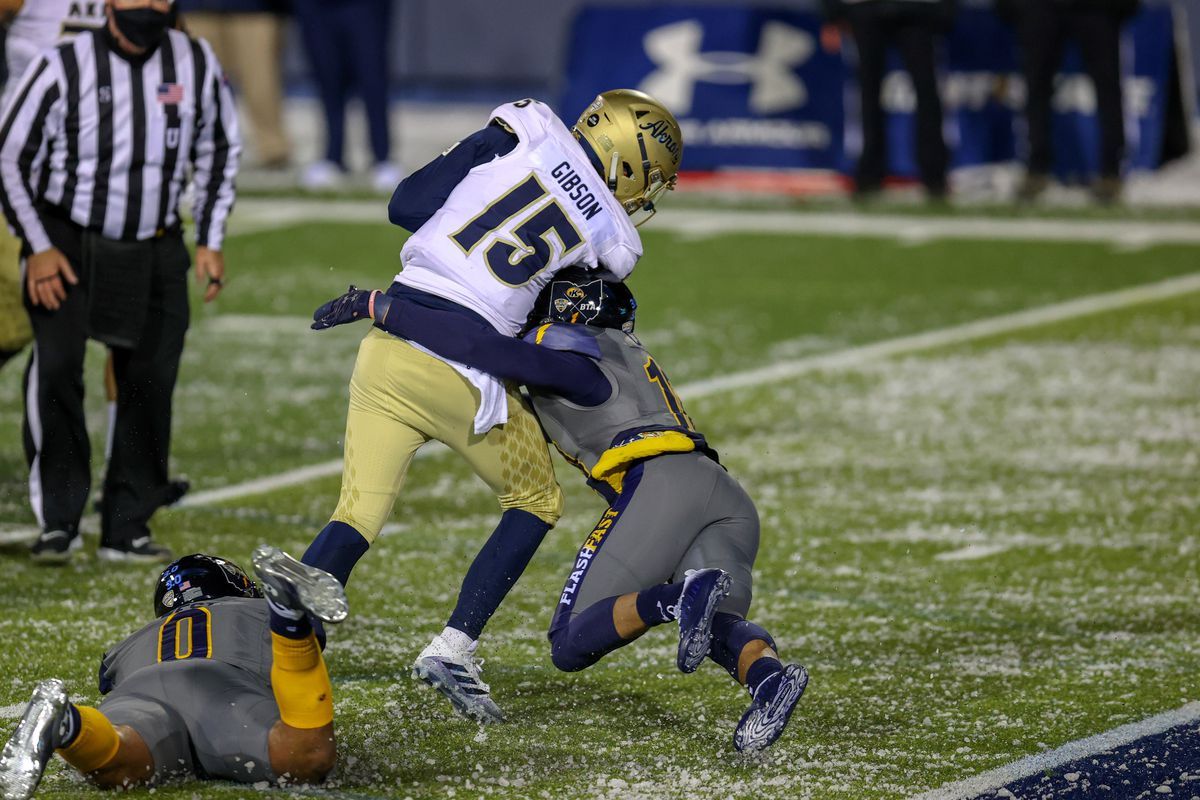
234	6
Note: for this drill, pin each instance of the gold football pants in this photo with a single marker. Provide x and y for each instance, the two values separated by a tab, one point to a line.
15	332
400	398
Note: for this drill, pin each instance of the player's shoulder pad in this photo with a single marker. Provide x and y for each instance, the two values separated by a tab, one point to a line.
569	338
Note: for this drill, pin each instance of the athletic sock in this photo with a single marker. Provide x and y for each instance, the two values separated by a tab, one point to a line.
456	638
731	634
70	726
760	670
288	622
587	638
337	548
300	682
94	743
496	569
659	604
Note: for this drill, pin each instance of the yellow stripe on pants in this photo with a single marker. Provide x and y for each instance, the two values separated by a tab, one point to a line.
400	398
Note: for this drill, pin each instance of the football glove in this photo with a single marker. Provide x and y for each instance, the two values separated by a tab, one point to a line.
350	307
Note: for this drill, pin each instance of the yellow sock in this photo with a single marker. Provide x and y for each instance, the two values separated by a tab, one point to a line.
300	682
96	744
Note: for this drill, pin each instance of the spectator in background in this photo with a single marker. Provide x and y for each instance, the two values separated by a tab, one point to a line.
913	27
247	38
347	47
1043	28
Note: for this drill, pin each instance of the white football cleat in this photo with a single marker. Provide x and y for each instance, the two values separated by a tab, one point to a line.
28	750
454	671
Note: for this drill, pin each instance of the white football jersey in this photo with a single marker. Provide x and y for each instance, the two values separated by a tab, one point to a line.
41	24
511	224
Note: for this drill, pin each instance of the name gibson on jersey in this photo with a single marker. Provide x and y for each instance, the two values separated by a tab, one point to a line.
577	190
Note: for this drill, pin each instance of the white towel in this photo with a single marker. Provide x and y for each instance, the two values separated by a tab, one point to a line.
493	400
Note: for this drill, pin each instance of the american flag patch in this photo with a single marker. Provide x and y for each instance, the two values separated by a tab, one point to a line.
170	94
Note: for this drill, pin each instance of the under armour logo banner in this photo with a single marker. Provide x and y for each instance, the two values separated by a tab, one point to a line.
750	86
774	85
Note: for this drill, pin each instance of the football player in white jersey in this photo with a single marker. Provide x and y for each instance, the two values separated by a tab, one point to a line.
493	219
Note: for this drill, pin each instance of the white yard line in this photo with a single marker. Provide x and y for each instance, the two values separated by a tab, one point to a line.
13	711
260	215
1072	751
784	370
958	334
971	552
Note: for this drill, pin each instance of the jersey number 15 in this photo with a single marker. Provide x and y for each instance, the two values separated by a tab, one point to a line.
514	258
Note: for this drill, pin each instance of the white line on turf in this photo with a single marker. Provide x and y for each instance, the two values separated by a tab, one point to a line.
958	334
1005	323
13	711
971	552
783	370
1072	751
260	215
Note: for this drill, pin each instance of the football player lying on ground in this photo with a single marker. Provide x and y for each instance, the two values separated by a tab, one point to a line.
224	684
493	219
679	539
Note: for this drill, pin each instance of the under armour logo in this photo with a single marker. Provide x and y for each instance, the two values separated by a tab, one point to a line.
675	49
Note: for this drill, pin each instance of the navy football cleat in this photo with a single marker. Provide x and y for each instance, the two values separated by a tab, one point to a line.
771	709
297	586
703	589
28	750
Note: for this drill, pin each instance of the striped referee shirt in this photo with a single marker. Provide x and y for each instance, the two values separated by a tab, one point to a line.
108	139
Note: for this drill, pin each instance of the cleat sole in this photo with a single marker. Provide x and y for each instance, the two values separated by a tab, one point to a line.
433	673
24	757
315	590
760	728
694	646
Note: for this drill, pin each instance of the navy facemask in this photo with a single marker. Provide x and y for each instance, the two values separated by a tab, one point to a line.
143	27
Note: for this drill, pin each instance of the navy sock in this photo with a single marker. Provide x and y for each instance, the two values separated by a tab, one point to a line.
731	634
760	670
659	604
337	548
587	638
496	569
70	727
288	623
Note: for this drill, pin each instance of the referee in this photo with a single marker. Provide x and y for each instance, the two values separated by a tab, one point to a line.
94	151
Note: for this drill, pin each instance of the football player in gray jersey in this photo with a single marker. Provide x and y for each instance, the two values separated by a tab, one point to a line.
223	684
680	536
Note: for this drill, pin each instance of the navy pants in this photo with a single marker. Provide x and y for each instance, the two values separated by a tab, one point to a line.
347	46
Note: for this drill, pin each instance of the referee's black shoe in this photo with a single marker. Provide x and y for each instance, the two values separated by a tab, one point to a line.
55	547
142	550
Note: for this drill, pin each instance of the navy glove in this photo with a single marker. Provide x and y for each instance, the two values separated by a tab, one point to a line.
350	307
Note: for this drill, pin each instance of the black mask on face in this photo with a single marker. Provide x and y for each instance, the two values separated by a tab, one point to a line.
143	27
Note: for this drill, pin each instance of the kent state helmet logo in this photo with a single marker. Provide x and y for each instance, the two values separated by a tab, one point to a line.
575	293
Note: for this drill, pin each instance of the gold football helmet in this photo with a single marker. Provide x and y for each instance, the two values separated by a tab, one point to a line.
636	145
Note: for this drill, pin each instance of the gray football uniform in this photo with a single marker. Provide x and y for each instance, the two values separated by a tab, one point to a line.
672	506
196	686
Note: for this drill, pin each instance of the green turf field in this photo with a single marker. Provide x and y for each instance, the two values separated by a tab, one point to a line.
980	550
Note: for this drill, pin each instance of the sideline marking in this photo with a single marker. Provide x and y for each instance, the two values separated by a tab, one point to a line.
13	711
255	216
1071	751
